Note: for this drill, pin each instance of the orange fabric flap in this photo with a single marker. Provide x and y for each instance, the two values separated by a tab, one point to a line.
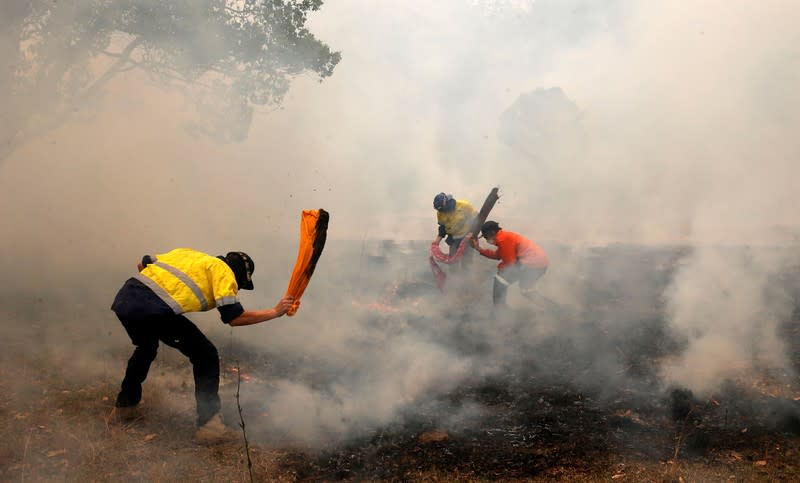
313	232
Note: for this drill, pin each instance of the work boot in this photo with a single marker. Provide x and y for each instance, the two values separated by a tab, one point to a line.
127	414
214	431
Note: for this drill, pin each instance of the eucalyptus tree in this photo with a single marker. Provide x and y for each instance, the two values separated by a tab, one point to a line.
228	55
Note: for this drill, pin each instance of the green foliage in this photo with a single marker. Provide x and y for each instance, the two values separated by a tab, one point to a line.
243	53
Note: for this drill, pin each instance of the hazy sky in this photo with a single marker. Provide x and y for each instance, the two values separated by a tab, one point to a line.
688	112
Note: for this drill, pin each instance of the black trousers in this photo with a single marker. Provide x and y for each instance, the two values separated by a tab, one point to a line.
525	275
179	332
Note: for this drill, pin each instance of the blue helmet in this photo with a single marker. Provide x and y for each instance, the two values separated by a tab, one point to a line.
441	200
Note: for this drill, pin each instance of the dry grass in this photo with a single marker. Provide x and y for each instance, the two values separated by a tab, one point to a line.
60	431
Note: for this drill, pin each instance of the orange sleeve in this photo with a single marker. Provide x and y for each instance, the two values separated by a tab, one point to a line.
313	232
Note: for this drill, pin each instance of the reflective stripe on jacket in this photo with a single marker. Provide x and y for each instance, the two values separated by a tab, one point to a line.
457	223
514	248
190	281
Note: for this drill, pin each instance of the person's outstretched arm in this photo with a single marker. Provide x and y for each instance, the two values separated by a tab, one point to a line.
486	252
250	317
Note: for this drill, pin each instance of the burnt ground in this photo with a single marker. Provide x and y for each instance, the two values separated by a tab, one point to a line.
534	428
580	408
584	424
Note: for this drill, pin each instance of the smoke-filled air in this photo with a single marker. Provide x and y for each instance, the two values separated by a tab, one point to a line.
649	149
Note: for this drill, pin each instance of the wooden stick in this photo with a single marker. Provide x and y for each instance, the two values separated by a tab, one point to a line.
488	204
241	421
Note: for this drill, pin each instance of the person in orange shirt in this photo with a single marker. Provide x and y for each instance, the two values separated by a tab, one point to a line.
521	260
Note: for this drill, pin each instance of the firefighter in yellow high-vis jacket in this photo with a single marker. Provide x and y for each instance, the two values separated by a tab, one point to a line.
150	306
455	219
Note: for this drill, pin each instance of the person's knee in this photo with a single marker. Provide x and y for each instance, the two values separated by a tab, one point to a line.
205	353
146	352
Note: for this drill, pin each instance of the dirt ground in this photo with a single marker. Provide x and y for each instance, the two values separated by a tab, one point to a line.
532	430
553	417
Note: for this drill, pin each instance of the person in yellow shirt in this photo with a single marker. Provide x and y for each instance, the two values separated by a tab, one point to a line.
455	219
151	305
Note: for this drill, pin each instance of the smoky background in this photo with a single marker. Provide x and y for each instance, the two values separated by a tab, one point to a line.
649	148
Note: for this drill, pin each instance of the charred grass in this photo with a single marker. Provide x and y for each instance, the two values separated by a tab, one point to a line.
529	429
552	412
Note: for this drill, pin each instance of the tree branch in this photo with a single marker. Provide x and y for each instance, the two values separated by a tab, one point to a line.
23	137
124	58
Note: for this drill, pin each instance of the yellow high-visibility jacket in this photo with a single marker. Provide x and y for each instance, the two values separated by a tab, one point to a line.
457	223
190	281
